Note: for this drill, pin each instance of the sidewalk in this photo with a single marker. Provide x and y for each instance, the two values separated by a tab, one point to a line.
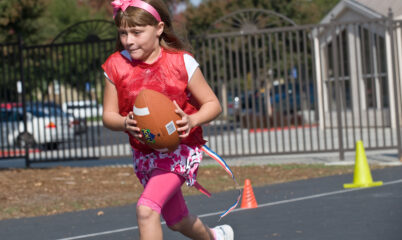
381	157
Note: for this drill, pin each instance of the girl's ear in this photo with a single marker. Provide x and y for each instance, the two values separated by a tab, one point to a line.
159	28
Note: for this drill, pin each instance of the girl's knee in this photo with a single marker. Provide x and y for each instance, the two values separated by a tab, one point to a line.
145	213
177	227
183	224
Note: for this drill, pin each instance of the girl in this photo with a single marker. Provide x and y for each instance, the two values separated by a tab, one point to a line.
149	55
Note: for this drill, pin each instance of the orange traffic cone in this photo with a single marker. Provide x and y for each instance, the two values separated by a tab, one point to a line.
248	199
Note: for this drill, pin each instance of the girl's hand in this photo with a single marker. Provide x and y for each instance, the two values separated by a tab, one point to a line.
185	123
130	125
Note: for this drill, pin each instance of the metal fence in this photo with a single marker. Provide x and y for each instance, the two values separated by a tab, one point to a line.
51	99
301	89
284	90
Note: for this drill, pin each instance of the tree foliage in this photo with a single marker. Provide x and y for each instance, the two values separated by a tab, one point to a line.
21	17
39	21
63	13
199	19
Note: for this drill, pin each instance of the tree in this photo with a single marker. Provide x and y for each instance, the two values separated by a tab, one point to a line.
39	21
21	17
62	14
311	11
199	18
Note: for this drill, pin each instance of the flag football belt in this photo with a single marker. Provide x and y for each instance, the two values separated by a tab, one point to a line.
223	164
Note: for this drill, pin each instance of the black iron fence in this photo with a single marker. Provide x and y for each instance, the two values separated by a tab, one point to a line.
51	100
296	89
306	89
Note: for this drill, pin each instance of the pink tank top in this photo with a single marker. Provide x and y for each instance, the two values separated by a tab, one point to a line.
167	75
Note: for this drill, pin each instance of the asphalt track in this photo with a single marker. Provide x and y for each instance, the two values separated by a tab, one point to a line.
304	210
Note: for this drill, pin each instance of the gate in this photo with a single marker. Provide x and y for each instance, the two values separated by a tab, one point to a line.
302	89
51	95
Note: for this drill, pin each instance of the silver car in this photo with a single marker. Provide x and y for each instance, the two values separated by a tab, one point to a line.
46	126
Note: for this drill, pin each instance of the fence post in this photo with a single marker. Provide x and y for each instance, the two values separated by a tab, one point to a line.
395	82
337	93
22	76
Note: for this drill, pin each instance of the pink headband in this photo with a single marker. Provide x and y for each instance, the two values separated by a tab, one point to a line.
124	4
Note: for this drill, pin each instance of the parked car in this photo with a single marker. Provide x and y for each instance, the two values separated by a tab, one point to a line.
284	100
83	109
47	126
79	124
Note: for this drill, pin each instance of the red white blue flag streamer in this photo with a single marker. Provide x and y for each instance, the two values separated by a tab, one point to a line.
222	162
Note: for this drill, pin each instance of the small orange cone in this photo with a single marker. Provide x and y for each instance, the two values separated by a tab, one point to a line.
248	199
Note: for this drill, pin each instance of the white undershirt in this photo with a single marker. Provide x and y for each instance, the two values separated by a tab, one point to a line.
190	63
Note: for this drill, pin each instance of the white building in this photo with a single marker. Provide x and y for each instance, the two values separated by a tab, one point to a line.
354	45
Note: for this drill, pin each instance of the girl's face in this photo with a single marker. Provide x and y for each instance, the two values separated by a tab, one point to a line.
142	43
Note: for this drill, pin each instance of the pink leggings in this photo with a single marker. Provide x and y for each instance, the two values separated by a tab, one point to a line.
163	194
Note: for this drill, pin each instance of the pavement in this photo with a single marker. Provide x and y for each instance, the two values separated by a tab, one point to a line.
313	209
380	157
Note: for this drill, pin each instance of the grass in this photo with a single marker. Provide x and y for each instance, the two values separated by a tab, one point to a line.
39	192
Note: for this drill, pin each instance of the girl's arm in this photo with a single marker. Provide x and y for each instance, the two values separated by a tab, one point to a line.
203	94
111	116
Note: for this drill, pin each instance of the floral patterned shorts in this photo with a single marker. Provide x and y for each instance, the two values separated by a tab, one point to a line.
183	161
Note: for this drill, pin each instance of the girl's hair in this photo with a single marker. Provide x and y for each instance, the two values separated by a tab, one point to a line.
134	16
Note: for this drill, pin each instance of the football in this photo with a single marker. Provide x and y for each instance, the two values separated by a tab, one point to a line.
156	117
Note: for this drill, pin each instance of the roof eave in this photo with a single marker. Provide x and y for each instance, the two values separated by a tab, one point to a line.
344	4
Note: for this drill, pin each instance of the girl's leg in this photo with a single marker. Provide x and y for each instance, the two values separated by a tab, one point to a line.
160	188
178	219
149	223
162	195
192	227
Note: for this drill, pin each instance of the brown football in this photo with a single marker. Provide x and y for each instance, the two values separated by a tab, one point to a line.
156	117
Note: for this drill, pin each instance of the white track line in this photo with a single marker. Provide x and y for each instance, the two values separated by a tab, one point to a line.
237	210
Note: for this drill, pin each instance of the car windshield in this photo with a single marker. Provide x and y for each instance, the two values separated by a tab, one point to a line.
10	116
45	110
37	109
